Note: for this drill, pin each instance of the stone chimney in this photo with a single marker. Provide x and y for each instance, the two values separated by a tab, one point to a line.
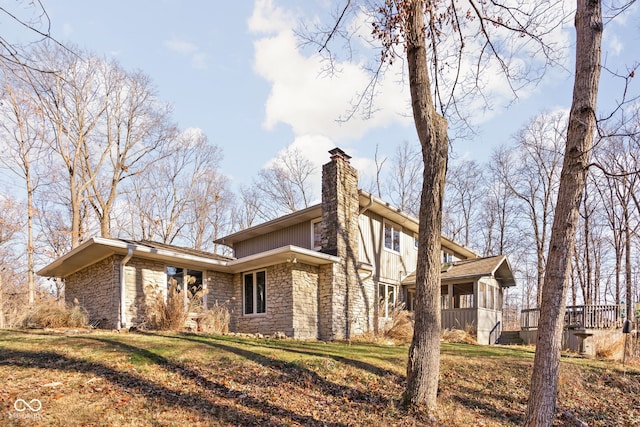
340	212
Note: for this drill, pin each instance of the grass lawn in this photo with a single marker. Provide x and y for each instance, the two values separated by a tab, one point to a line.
136	379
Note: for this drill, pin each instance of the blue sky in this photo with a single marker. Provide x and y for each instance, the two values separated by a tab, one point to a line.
234	70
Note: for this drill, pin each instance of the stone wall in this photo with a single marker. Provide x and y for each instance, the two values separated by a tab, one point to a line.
143	279
222	290
345	300
279	304
97	289
305	301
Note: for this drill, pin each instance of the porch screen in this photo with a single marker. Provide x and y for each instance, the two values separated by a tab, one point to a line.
463	296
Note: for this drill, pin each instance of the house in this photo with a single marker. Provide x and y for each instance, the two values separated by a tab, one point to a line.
330	271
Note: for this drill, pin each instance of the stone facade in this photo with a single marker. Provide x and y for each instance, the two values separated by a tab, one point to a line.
279	304
345	300
143	278
330	301
305	280
96	288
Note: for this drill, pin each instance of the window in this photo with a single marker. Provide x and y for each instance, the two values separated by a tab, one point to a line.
255	292
446	257
411	299
445	301
463	296
185	282
391	237
181	279
387	298
415	240
316	234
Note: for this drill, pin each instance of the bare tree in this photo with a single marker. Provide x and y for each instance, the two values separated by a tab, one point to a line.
582	121
464	192
497	219
439	41
74	103
10	223
403	184
248	210
23	130
210	210
166	212
531	170
285	185
136	125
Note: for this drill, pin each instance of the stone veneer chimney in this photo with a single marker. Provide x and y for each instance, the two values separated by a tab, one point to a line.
340	212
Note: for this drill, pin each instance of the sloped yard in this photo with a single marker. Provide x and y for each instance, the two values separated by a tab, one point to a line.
135	379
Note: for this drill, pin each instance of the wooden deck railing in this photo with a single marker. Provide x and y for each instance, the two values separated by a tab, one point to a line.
578	316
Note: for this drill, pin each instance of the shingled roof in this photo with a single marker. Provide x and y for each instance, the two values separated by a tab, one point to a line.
495	266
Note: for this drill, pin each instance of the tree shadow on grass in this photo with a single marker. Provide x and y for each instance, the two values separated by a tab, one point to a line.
472	400
270	415
219	389
296	374
368	367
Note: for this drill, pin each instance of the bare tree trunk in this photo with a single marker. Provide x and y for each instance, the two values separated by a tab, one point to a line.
544	381
423	366
627	266
1	304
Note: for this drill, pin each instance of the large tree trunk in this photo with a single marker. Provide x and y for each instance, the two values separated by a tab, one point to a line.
544	381
423	367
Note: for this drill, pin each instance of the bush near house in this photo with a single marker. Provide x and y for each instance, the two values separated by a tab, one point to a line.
53	314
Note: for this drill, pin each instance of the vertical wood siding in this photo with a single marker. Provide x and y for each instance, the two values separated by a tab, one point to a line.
297	235
387	265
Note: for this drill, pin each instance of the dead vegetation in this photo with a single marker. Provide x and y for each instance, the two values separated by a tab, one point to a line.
214	320
54	314
147	379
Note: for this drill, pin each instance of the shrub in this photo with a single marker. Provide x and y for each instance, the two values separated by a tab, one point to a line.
458	336
400	329
47	314
214	320
164	314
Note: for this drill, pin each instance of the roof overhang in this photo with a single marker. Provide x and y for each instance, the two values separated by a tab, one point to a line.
498	269
294	218
286	254
99	248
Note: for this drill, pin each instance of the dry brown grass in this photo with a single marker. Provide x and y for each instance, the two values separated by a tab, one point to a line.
52	314
215	320
151	379
400	329
458	336
163	314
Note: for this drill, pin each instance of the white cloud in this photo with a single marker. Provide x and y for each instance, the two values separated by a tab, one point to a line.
310	102
190	50
615	44
181	47
267	18
316	148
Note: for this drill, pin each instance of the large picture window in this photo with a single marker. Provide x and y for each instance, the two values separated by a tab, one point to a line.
255	292
392	236
181	279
